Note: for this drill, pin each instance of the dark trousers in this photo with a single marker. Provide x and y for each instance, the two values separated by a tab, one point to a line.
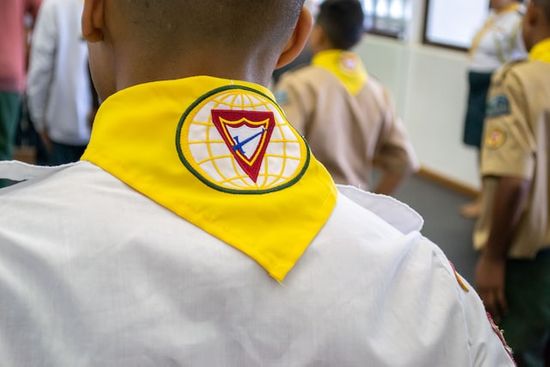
527	324
10	113
479	84
63	153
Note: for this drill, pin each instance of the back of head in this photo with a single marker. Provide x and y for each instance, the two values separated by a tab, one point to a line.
342	22
189	24
137	41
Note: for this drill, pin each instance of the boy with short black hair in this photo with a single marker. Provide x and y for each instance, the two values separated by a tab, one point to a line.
347	117
166	245
513	273
342	22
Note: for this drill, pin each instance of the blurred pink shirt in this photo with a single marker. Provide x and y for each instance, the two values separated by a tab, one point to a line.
13	43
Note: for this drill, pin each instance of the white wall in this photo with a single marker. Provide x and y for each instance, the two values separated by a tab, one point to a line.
429	86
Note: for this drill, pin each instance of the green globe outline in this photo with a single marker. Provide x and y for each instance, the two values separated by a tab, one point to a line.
209	183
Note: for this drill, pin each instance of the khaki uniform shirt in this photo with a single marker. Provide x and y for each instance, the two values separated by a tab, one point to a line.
346	133
516	144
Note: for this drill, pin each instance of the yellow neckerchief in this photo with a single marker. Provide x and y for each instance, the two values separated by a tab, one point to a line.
196	145
489	24
541	51
346	66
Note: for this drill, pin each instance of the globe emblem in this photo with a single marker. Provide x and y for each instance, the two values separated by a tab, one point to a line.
238	140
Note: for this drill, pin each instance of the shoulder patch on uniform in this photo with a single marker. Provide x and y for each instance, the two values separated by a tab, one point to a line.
498	106
495	138
237	140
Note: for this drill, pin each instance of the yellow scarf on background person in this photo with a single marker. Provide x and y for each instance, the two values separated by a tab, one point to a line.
346	66
541	51
221	155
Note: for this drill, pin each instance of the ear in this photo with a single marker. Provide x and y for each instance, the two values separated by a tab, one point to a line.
298	40
93	20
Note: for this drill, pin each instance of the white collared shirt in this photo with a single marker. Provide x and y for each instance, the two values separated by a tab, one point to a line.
59	88
501	43
94	274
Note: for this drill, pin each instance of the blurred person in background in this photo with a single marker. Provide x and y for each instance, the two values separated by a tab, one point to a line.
59	88
13	46
346	115
498	42
513	232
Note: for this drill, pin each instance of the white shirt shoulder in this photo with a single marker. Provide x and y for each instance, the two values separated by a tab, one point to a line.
94	274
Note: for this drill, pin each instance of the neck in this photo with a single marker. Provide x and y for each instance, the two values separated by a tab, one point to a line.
507	7
321	44
228	65
325	47
539	37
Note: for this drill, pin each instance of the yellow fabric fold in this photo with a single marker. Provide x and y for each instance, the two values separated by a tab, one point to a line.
346	66
541	51
164	140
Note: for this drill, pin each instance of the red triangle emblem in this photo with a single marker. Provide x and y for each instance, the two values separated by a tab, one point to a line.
247	135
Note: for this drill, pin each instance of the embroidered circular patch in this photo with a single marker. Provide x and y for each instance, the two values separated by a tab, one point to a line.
236	139
495	139
349	62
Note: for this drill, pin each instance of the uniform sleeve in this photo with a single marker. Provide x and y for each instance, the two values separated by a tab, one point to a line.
296	100
487	346
42	64
394	152
508	145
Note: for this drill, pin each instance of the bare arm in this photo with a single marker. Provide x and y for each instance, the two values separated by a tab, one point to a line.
510	200
390	182
395	156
